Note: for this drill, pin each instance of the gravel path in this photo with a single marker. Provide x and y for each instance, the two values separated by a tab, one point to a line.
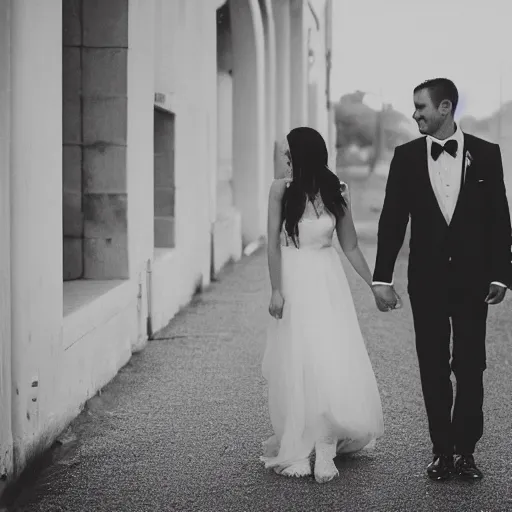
180	427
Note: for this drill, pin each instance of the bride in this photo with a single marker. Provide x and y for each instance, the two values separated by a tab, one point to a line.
322	392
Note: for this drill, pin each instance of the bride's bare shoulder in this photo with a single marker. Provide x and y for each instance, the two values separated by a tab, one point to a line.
344	191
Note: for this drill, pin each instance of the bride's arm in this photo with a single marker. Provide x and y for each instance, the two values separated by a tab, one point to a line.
347	237
274	233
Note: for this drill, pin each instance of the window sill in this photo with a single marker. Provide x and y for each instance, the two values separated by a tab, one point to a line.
89	304
162	254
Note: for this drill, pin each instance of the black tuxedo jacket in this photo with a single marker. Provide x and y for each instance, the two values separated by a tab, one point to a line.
467	254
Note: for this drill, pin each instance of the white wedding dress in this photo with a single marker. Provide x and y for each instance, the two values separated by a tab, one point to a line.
321	385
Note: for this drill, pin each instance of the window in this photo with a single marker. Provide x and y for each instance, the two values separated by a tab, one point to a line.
164	191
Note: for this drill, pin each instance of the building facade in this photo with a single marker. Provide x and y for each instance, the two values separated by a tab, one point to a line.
136	153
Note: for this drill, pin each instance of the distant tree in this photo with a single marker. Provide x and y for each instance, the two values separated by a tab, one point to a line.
355	121
360	125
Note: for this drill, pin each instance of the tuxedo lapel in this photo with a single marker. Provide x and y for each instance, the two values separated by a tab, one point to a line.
463	181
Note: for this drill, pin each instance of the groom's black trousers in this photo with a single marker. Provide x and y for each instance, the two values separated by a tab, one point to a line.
435	319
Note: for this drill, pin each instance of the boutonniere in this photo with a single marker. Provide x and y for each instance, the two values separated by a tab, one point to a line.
467	163
469	159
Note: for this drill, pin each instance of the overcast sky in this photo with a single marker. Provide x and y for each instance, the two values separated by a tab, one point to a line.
389	46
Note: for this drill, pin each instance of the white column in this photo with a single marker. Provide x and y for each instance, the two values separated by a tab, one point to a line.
5	246
270	90
299	64
36	216
224	115
139	151
331	126
224	175
249	117
283	66
211	74
209	69
316	68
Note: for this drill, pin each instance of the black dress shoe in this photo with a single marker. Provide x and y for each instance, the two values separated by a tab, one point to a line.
441	468
466	468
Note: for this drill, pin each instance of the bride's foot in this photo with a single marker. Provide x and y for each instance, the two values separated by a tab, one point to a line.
325	469
299	469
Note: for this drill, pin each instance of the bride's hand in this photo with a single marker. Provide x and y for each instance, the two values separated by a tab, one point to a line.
386	297
276	304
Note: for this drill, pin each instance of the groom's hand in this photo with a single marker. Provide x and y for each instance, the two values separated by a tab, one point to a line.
496	294
385	297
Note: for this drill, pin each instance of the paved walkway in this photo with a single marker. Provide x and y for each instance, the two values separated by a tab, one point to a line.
180	428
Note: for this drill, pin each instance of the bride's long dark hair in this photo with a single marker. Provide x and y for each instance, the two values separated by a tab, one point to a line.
311	175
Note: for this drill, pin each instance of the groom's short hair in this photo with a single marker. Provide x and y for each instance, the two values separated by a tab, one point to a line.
440	89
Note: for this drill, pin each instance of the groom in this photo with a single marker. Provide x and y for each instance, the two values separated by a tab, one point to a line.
450	184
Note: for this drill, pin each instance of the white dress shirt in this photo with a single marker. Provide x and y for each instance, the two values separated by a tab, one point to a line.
445	177
445	173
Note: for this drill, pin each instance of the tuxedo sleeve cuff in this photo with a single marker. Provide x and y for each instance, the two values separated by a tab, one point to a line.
499	284
381	283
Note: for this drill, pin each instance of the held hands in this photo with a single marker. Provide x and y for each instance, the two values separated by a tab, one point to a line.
496	294
386	297
276	305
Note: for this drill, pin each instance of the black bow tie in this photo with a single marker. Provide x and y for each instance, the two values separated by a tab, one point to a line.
450	147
